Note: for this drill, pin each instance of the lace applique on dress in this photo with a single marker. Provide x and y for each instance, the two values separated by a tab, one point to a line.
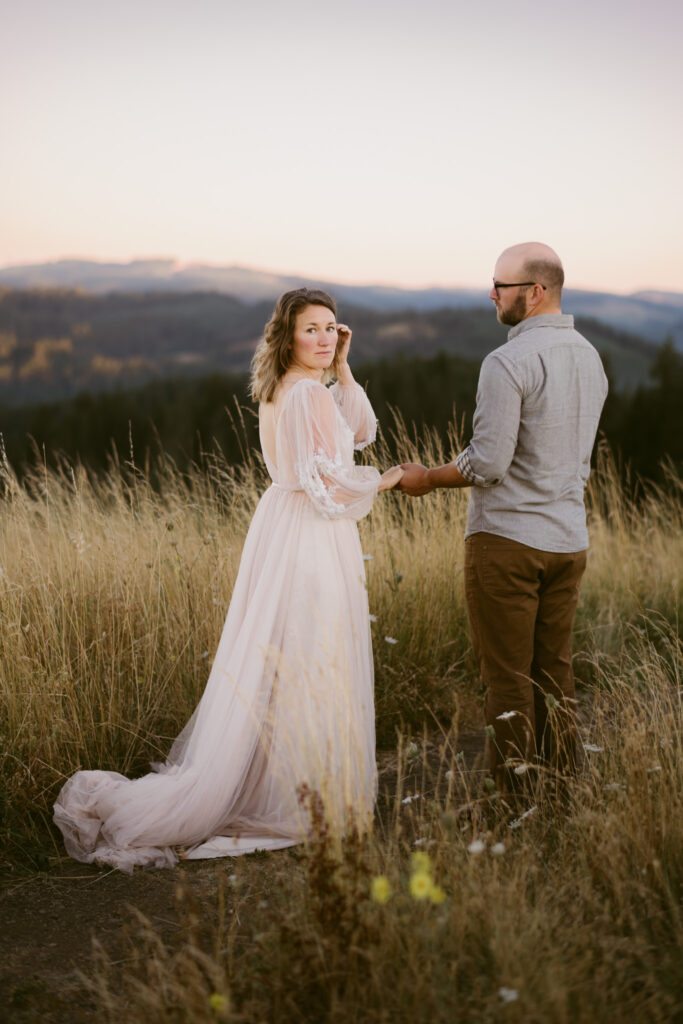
310	475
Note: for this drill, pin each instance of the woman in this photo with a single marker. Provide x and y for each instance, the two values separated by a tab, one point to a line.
288	707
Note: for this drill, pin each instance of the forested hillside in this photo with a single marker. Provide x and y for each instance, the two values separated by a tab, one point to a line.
56	344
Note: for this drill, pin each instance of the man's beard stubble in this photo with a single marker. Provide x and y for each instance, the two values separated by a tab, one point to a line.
515	313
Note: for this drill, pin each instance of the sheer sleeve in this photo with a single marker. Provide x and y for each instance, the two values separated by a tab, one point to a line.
320	445
355	407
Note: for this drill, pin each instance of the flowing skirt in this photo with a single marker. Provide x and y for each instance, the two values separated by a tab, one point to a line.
288	703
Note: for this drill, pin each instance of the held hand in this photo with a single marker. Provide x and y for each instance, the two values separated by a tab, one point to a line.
415	480
390	479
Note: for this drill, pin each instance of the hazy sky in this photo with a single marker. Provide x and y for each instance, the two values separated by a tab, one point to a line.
363	140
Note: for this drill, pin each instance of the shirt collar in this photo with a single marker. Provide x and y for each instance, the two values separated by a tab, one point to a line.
545	320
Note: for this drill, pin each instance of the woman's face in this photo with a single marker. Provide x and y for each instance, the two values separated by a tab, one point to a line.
315	339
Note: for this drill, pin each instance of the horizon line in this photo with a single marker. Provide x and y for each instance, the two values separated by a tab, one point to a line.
178	264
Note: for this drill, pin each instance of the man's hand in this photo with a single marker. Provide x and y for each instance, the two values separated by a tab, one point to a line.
415	480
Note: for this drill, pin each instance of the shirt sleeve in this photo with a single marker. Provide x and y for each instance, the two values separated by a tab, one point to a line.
355	407
321	448
495	429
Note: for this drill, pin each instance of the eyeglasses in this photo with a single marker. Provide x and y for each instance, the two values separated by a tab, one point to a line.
517	284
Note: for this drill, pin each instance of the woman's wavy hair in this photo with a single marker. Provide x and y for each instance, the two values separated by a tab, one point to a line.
273	355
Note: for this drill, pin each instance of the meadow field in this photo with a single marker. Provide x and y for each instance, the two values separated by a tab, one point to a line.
113	592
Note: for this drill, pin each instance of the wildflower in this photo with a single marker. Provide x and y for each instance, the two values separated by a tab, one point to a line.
421	862
521	769
592	748
437	895
449	774
613	787
508	995
204	654
507	714
391	639
380	889
518	821
368	558
476	847
373	618
498	849
218	1002
655	768
409	799
424	842
421	885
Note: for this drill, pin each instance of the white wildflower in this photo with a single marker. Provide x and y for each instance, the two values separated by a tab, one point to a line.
409	799
521	769
449	774
476	847
424	842
498	849
368	558
655	768
204	654
373	618
391	640
613	787
508	995
507	714
592	748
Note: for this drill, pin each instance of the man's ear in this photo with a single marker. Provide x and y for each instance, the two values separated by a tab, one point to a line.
536	295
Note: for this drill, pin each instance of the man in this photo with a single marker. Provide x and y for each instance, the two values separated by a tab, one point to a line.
539	401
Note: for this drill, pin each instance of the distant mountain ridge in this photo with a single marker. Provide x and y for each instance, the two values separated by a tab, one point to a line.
653	315
58	342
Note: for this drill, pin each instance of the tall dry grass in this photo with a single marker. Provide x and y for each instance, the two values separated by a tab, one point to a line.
559	916
113	593
112	597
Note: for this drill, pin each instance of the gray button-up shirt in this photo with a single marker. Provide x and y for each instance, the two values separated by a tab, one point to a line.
539	401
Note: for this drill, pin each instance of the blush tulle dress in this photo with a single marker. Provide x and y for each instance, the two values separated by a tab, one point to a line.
289	700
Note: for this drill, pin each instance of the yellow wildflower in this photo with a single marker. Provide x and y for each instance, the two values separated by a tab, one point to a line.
437	895
218	1002
380	889
420	861
421	885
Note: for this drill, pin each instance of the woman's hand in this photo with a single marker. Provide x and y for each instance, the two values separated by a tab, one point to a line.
344	375
390	479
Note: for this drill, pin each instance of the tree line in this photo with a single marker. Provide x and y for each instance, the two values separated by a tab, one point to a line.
186	418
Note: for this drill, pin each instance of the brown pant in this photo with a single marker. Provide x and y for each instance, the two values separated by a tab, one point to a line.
521	604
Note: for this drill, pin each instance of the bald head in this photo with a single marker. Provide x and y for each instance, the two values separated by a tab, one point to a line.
532	261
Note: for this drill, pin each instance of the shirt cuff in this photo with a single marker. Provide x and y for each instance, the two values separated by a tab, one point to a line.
464	466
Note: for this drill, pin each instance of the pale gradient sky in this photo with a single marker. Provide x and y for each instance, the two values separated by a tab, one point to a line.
364	140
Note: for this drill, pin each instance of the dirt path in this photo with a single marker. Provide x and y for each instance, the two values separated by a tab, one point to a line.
49	920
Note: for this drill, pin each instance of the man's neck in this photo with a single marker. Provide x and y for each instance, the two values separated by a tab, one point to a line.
548	310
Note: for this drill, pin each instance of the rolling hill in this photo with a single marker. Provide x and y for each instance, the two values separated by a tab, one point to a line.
648	314
55	343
